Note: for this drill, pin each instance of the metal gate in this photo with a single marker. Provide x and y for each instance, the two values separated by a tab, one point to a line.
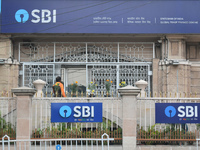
45	72
130	73
115	61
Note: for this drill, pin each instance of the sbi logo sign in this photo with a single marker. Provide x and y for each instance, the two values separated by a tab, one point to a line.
66	111
76	112
43	16
182	111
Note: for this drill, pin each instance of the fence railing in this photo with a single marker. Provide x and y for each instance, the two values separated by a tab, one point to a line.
147	131
8	116
82	94
43	144
150	133
43	128
116	94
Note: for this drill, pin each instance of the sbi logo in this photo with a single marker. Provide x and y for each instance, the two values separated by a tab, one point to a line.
43	16
170	111
66	111
183	111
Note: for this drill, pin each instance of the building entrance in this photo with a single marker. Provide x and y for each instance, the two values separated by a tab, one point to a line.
86	63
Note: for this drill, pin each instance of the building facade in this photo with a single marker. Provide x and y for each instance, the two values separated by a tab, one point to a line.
85	41
168	65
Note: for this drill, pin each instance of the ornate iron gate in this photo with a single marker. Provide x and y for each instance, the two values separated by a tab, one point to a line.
130	73
118	62
44	72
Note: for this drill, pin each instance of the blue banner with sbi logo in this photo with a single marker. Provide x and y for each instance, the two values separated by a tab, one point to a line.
100	16
177	112
76	112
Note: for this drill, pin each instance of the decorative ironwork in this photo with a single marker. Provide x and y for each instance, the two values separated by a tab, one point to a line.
135	52
70	52
116	62
36	52
99	74
133	73
86	52
36	71
128	73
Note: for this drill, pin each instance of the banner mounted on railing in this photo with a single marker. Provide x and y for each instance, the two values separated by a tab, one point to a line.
76	112
177	112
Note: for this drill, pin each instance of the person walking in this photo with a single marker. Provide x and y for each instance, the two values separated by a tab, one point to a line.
58	88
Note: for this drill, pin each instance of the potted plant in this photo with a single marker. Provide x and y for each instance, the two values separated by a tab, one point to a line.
108	84
122	84
91	88
74	88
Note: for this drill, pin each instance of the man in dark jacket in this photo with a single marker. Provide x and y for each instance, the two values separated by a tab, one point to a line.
58	88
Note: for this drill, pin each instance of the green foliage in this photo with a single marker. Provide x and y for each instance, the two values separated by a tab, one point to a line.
122	84
108	85
170	132
6	128
92	87
72	130
56	87
198	126
73	87
39	133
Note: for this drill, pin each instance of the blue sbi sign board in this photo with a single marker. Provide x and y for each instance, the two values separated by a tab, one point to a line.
100	16
177	112
76	112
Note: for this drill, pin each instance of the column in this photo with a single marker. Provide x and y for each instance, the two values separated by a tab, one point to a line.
24	95
129	101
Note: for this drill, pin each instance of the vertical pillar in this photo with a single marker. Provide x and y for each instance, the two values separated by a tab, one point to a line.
129	108
142	107
24	95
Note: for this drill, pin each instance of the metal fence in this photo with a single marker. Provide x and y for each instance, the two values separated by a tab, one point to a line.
58	144
147	131
43	128
8	116
150	133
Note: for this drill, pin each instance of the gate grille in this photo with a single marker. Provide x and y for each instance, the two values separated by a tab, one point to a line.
117	73
86	52
44	72
114	61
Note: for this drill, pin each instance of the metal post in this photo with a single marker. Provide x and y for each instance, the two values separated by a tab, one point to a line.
118	52
86	52
6	136
23	75
177	80
19	52
54	52
153	50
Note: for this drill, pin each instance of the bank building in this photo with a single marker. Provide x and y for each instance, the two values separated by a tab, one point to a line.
100	49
